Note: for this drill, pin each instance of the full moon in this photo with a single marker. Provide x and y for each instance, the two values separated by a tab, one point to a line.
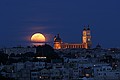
38	38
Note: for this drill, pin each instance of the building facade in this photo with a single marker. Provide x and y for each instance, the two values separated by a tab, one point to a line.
19	50
86	41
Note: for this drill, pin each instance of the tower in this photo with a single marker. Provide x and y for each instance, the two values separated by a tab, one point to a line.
86	38
57	42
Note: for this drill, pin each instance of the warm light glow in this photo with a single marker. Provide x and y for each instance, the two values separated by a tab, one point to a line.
38	37
57	45
87	75
41	57
38	44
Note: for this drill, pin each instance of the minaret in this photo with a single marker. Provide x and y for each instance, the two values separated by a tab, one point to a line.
57	42
86	38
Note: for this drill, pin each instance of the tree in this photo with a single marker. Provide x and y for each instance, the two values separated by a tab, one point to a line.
3	58
28	54
18	55
45	51
12	55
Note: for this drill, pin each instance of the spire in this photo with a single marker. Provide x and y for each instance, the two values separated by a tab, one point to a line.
84	28
88	27
54	36
98	46
58	35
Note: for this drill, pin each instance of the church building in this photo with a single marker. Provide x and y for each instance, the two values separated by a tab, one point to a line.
86	41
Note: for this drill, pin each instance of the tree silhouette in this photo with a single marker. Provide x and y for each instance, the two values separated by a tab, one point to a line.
46	51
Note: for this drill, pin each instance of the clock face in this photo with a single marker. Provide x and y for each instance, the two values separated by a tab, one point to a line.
88	39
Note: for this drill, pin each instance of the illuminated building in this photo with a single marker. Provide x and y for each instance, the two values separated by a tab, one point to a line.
86	41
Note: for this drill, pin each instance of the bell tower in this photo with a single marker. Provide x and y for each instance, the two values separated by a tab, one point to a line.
86	38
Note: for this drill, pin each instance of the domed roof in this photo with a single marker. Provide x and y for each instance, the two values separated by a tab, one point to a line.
88	28
57	39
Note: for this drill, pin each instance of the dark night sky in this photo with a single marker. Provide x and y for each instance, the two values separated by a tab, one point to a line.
19	19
